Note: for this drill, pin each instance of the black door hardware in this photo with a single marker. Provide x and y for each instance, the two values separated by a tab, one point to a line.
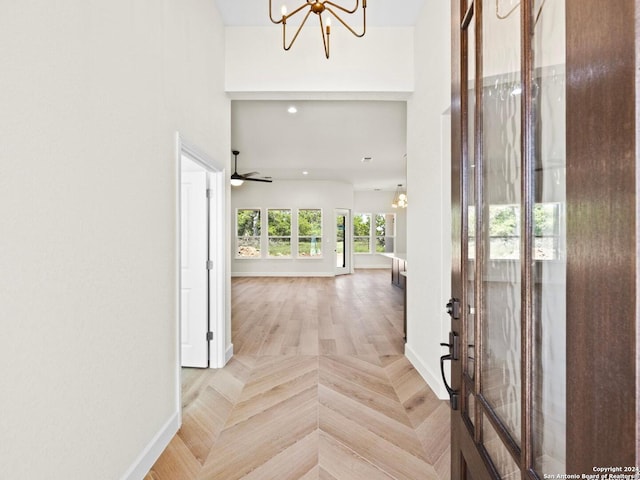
454	354
453	308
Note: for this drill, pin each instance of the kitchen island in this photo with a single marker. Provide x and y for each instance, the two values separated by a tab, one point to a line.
398	265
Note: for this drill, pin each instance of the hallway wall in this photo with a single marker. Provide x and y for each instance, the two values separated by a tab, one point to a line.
428	187
92	95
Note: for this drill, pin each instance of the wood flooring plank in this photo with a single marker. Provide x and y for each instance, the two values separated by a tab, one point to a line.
387	457
421	406
391	408
273	371
353	369
203	421
175	462
255	405
376	422
297	462
434	432
339	462
244	447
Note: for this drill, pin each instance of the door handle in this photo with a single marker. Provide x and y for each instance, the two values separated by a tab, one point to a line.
452	355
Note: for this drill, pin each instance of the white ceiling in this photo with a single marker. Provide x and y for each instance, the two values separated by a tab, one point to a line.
326	138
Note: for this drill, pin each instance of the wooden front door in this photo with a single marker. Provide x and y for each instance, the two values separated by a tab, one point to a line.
543	349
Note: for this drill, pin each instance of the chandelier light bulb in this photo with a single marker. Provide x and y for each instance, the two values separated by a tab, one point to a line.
283	10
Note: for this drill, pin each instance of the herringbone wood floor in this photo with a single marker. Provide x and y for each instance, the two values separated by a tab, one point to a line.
318	389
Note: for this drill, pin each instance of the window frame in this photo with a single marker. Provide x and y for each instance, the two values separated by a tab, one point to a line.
269	236
375	235
319	237
355	237
258	237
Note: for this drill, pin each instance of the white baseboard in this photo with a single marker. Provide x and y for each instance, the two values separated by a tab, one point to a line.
228	354
374	266
282	274
433	380
153	450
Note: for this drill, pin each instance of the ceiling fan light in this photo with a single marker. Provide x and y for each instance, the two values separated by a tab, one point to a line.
236	182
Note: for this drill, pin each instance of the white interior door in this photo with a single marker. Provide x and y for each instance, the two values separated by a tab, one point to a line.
194	319
343	242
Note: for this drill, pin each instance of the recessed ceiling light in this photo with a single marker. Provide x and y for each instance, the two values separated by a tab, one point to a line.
305	173
366	159
292	109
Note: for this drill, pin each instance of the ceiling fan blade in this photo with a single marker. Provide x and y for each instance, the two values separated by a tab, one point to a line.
239	178
266	180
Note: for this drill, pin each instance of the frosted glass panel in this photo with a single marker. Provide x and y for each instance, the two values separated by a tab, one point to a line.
470	194
501	141
500	456
549	401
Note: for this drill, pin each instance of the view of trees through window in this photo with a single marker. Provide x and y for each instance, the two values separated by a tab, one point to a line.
248	233
279	232
372	233
504	231
362	233
383	232
309	232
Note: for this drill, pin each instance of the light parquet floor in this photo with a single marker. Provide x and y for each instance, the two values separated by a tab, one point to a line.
319	388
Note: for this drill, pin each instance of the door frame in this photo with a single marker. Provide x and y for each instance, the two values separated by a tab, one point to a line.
216	173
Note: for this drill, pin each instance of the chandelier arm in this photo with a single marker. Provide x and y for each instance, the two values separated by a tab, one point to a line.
271	15
508	14
284	32
325	40
364	22
284	17
364	5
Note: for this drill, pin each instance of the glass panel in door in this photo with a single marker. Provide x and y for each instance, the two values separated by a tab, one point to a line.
470	256
499	207
549	225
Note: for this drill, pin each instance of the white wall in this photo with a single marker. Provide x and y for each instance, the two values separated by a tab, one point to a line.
367	64
91	95
428	189
292	195
380	202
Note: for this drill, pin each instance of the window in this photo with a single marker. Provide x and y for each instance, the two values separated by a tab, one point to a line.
385	232
362	233
309	233
248	233
504	231
279	232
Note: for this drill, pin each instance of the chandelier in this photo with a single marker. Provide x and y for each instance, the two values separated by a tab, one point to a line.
319	7
400	198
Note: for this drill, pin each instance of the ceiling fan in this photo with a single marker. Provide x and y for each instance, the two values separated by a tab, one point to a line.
238	179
